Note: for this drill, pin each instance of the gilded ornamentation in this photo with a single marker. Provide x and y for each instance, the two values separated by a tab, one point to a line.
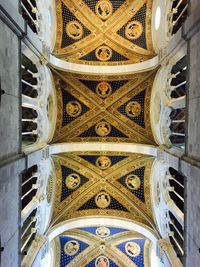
73	108
132	249
71	247
103	128
74	30
102	200
103	53
102	261
103	162
102	232
133	109
103	89
72	181
133	182
49	189
134	30
104	9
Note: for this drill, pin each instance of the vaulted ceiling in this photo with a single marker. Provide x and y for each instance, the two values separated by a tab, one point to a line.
101	247
97	108
108	183
105	32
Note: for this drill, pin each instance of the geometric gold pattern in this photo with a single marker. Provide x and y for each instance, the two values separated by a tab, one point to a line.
118	34
122	116
102	191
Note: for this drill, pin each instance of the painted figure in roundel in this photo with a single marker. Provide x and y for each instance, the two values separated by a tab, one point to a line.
132	249
134	30
102	261
72	181
133	109
103	128
103	162
104	9
74	30
102	232
102	200
73	108
133	182
71	247
103	53
103	89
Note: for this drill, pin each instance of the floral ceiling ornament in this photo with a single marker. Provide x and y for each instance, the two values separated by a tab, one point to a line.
134	30
103	53
71	247
74	30
104	9
133	182
133	109
72	181
73	108
103	89
102	200
103	162
132	249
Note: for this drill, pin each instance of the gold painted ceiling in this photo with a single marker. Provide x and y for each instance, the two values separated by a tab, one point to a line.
102	183
105	32
97	108
102	247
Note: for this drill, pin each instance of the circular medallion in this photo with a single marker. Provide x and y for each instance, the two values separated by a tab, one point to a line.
103	128
102	200
134	30
103	89
71	247
103	53
73	108
72	181
74	30
133	182
133	109
102	261
104	9
132	249
102	232
103	162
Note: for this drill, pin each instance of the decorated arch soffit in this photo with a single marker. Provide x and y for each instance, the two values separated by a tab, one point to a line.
102	183
104	32
110	108
101	246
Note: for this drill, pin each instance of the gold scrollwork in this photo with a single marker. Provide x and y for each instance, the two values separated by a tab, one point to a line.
103	162
133	109
104	9
103	89
103	53
71	247
72	181
73	108
133	30
74	30
132	249
102	261
102	200
133	182
103	128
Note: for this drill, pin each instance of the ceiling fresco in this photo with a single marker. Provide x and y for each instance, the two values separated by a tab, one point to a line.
102	183
101	247
104	32
113	109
